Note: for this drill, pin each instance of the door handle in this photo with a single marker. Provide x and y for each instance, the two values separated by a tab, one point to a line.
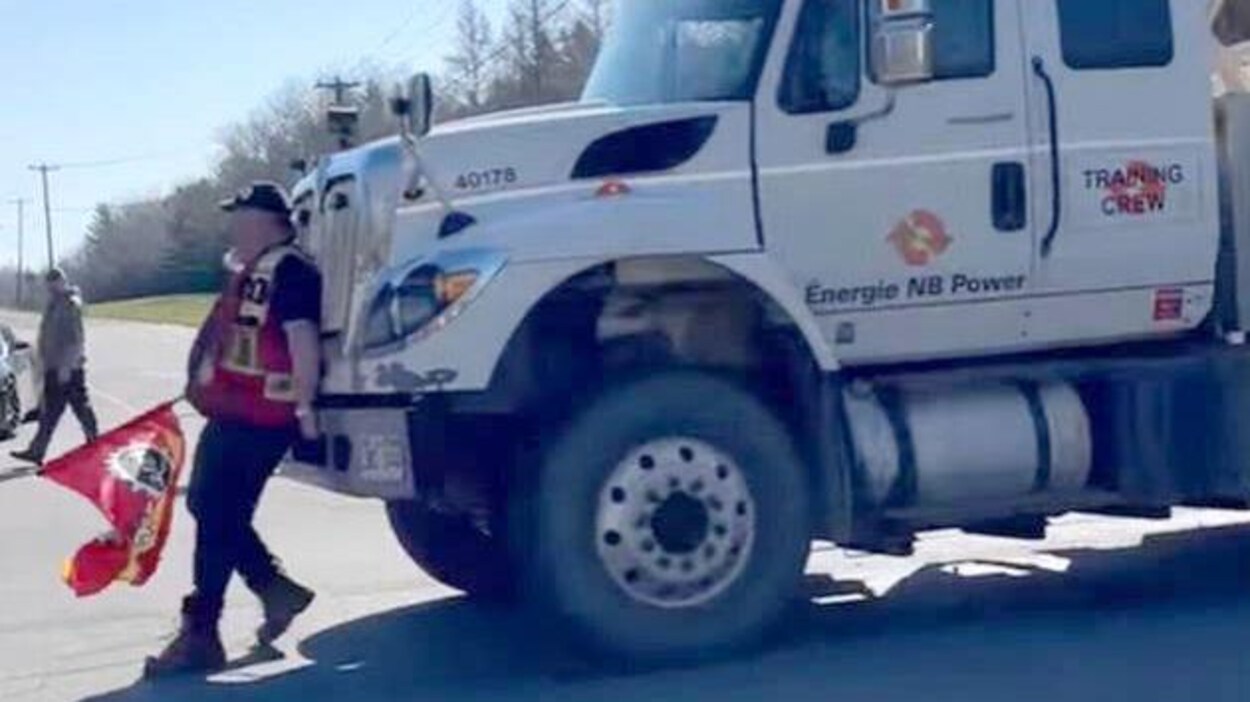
1056	175
1009	202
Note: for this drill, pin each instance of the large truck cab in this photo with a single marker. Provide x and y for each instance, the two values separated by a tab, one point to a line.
846	269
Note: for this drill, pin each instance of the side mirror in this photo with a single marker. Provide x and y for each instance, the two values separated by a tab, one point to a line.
415	106
902	42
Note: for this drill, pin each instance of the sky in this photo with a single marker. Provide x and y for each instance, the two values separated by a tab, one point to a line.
137	92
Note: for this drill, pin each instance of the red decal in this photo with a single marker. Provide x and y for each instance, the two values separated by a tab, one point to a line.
921	238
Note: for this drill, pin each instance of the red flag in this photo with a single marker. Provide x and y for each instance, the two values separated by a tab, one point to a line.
131	476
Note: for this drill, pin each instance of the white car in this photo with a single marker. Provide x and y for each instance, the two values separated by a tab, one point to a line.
19	382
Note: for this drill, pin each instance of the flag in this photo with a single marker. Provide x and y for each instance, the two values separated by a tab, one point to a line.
131	476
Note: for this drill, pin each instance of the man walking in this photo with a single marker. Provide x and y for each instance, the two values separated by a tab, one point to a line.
62	352
254	372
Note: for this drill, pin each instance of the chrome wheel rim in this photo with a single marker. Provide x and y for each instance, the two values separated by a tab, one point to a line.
675	523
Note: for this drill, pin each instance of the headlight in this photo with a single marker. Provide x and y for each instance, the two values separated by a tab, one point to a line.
427	297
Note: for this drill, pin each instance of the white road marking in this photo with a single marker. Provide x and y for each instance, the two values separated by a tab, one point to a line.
126	406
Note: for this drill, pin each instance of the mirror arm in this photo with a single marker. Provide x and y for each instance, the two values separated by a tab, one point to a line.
423	168
885	110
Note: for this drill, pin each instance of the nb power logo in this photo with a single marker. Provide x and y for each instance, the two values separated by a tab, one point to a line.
921	238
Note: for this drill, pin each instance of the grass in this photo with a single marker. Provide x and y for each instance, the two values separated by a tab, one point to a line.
182	310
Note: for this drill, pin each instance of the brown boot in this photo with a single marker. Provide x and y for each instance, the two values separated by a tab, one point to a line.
196	650
283	601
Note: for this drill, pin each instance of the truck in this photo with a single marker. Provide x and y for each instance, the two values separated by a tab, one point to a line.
789	271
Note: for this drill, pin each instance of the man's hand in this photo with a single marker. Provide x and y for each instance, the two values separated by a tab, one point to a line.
64	375
307	417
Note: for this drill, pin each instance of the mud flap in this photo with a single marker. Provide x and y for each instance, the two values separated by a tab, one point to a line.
1180	433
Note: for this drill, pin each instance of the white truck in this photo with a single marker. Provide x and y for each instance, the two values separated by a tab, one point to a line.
791	270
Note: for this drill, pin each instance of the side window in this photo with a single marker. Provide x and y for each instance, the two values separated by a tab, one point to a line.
1109	34
823	70
963	38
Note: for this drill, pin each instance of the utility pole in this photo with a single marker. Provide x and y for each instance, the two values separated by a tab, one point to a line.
339	87
44	169
341	117
21	245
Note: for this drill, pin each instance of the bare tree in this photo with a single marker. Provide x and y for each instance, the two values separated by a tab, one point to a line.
596	15
469	64
531	51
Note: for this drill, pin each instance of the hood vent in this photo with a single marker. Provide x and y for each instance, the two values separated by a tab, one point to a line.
650	148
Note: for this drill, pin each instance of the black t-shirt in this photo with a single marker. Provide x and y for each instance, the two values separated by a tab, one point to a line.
296	292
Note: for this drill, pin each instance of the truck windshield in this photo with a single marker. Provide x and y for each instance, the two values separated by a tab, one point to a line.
662	51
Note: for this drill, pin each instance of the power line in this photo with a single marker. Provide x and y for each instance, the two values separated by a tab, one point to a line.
449	10
109	163
403	26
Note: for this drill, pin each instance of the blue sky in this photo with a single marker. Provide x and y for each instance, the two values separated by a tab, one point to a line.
153	82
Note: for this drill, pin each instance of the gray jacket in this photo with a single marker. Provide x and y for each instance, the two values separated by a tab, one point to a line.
62	343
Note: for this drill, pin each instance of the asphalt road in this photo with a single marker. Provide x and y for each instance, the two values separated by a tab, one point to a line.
1104	610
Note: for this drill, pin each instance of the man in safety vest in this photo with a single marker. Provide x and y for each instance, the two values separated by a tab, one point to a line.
254	371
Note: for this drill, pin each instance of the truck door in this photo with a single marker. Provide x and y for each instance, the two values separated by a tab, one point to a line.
902	214
1120	97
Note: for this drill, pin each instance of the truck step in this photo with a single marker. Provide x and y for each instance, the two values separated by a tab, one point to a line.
1156	513
960	515
1026	528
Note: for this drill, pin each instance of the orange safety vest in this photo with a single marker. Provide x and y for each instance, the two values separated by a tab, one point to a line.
245	372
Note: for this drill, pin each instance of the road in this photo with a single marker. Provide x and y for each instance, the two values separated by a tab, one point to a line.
1104	609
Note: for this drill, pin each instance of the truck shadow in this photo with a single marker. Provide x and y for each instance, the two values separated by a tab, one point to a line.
1169	620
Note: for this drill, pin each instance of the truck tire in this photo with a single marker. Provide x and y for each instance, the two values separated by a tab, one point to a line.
668	522
453	551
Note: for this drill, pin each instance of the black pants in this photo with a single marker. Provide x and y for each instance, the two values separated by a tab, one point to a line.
56	395
232	464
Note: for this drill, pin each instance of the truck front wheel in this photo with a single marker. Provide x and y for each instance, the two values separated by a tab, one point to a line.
668	522
453	550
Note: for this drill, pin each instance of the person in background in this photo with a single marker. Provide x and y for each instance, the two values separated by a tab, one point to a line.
62	354
254	372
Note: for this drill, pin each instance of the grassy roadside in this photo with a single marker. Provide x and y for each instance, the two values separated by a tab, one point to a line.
182	310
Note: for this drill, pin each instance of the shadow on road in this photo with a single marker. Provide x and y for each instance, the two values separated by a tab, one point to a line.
1167	621
11	474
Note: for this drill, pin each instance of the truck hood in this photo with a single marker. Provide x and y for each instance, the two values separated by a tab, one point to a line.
511	165
530	184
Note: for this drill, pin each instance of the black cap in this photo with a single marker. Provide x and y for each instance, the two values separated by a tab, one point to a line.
54	275
261	195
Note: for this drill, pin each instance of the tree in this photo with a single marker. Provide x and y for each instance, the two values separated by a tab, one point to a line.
531	51
469	64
